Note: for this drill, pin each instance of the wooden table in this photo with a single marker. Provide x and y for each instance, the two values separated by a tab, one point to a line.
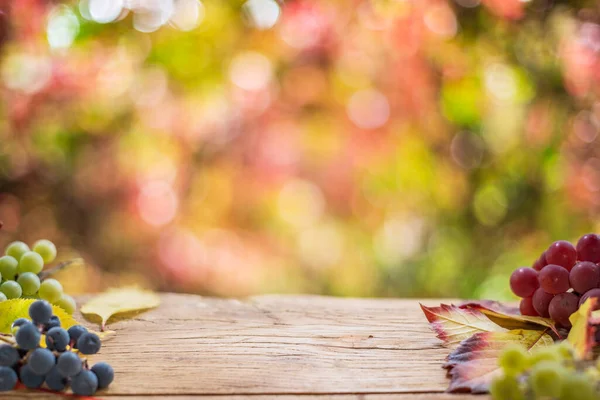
275	347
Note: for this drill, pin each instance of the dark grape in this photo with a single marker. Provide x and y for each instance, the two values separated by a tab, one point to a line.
584	276
40	311
28	336
18	322
524	281
105	374
53	323
554	279
41	361
57	339
89	343
561	253
562	306
541	301
527	308
588	248
8	379
590	293
75	332
30	378
9	356
69	364
55	380
85	383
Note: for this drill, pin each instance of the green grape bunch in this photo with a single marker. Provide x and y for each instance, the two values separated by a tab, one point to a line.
548	373
21	274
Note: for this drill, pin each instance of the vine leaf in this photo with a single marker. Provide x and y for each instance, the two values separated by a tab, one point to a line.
454	324
510	317
119	301
474	364
12	309
583	332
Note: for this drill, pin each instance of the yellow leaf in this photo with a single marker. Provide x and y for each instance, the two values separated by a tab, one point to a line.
116	301
509	317
581	335
19	308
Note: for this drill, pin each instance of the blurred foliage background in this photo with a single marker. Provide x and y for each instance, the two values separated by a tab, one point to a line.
357	147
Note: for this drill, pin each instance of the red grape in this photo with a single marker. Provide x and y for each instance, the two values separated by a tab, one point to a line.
562	306
554	279
584	276
588	294
541	301
524	281
588	248
562	253
540	262
526	307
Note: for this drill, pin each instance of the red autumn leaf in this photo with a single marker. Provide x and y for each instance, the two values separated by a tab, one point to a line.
474	364
454	324
492	305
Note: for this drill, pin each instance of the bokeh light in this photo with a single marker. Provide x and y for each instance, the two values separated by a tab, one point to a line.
368	109
369	148
62	27
262	14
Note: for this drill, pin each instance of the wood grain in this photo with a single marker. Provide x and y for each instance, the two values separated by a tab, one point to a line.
275	347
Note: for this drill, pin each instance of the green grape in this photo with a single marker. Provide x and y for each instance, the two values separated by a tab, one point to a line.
11	289
67	303
31	262
545	354
546	378
506	388
46	249
592	373
576	386
565	350
16	250
8	267
30	283
50	290
2	297
513	360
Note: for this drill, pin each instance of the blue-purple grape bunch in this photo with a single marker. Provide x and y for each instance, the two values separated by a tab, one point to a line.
57	366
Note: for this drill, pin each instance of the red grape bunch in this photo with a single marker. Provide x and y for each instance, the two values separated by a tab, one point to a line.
562	279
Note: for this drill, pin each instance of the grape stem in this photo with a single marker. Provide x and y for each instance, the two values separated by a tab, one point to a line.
5	337
49	272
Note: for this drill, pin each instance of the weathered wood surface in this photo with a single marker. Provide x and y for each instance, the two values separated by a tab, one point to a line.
275	347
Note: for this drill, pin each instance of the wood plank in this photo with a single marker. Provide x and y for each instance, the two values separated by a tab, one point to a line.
32	395
272	346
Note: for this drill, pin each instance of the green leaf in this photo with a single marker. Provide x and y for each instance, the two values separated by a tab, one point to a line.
118	301
454	324
19	308
474	364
